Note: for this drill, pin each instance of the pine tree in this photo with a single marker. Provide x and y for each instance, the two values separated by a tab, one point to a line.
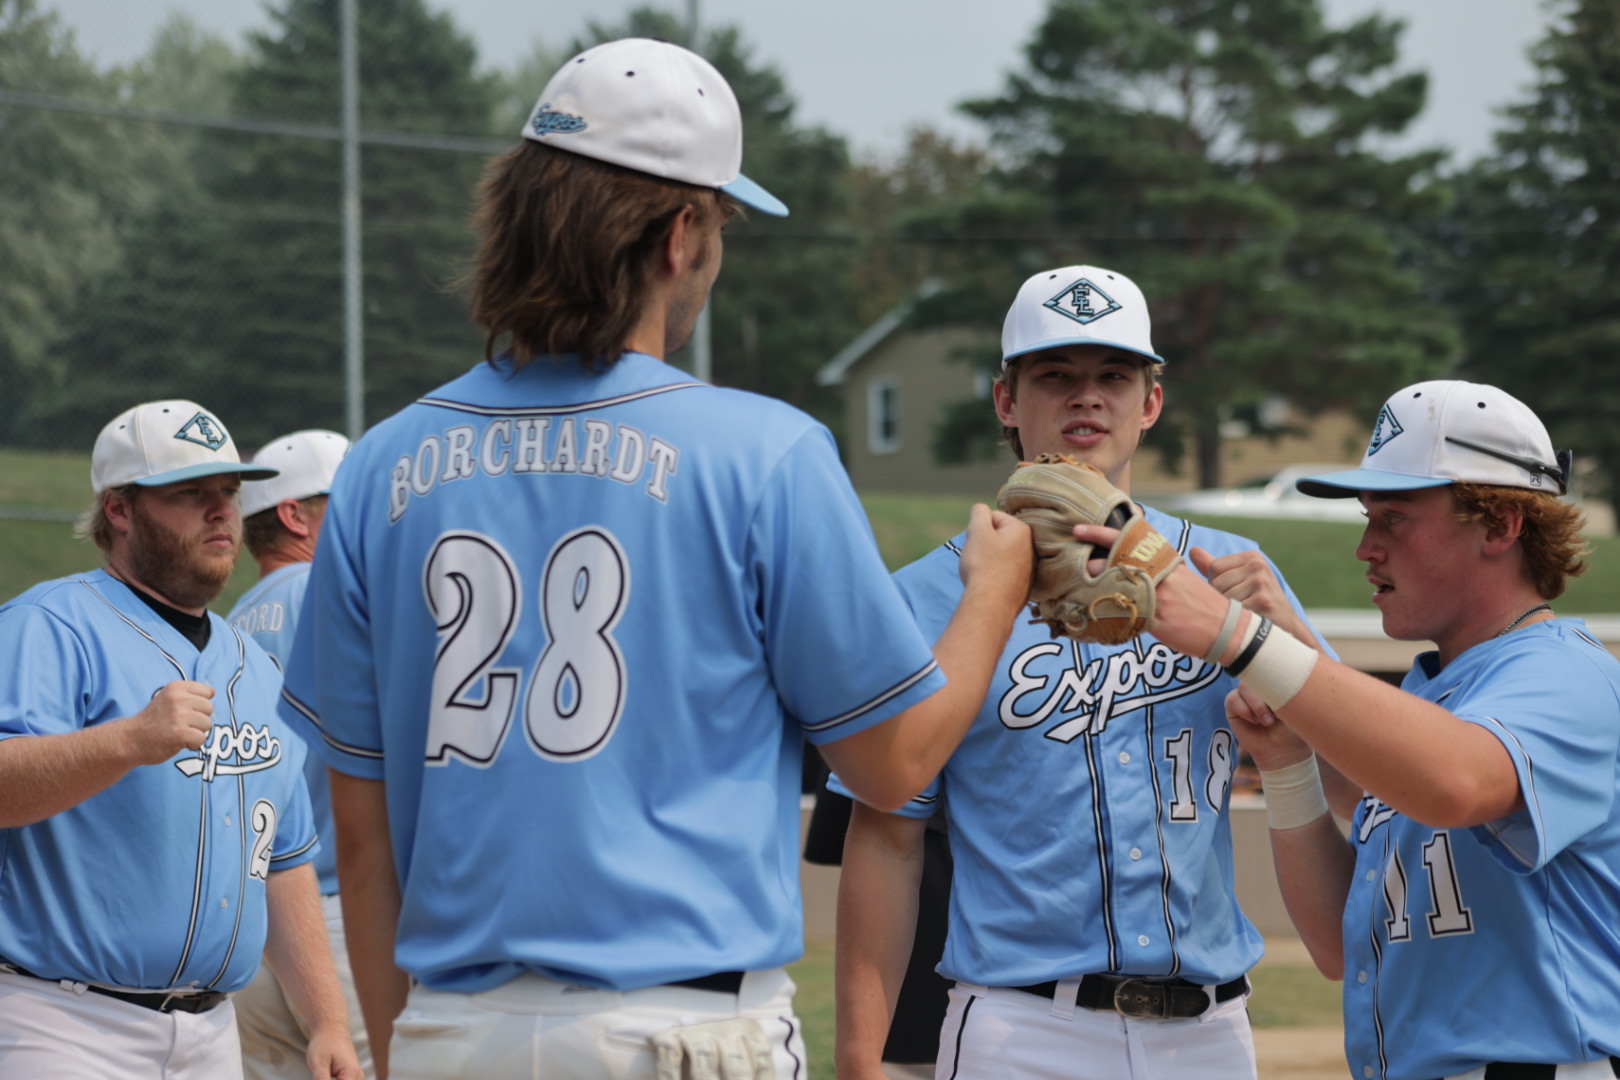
234	297
1535	273
1224	155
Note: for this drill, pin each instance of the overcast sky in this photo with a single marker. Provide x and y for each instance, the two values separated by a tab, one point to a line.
869	69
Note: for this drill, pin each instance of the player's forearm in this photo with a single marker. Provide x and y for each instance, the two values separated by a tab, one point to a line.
299	953
1411	753
1314	867
1342	793
877	918
371	903
886	765
42	775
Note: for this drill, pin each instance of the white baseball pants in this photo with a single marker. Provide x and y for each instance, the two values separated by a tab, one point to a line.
48	1030
992	1033
533	1026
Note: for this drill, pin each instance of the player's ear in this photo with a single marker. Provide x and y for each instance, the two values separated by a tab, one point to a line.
681	242
290	512
116	507
1153	406
1006	405
1504	524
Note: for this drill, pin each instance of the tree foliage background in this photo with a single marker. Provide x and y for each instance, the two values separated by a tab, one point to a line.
1533	266
171	228
1222	154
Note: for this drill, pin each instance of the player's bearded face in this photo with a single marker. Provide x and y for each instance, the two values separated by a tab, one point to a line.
188	565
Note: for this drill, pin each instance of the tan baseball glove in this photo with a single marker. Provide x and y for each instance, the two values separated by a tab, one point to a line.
1052	495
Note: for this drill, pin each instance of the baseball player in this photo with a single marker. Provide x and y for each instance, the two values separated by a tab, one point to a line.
1094	931
281	521
1471	912
155	835
573	616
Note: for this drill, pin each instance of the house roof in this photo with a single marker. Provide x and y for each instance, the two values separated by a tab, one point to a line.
832	373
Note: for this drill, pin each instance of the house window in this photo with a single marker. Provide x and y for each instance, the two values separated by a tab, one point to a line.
883	416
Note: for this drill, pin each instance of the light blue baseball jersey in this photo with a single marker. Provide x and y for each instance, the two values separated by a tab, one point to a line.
159	880
581	624
268	613
1500	942
1088	803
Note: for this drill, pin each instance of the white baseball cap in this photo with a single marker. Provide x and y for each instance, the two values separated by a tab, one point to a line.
1077	305
1445	432
653	107
306	461
163	442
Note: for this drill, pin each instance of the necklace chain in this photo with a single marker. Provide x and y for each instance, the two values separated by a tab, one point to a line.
1510	627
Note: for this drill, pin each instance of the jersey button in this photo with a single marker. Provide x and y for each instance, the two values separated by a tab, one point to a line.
1143	940
224	902
227	821
1366	1070
1136	853
1361	976
1124	757
1371	874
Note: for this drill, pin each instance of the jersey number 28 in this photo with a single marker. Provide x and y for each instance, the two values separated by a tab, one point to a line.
577	683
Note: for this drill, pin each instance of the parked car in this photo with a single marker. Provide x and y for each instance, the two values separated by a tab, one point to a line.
1272	496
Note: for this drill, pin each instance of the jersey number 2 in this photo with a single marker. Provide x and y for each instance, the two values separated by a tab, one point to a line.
577	685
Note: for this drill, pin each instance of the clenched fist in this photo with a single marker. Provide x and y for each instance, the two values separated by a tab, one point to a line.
178	717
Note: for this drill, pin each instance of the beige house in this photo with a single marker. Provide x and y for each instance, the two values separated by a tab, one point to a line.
899	383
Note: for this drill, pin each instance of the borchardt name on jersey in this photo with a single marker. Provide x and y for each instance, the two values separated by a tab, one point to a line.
515	445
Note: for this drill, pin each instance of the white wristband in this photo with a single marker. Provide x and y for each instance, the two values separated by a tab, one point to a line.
1293	794
1224	637
1280	667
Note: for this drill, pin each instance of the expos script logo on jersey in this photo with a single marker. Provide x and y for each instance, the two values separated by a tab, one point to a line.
1049	679
233	751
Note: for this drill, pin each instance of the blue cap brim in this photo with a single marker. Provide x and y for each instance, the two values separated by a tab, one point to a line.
1351	482
191	472
755	197
1059	342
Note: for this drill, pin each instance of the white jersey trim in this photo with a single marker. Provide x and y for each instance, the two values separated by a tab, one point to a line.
553	410
309	714
888	695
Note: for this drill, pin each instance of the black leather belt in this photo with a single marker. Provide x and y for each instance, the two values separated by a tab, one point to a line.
721	982
1518	1070
161	1001
1159	999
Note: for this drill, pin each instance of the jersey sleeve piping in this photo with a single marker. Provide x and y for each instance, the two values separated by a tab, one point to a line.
309	714
1502	831
877	702
282	860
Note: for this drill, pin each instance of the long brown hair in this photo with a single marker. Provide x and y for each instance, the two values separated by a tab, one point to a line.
567	249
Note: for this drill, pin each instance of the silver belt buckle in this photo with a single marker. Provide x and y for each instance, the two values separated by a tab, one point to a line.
1141	999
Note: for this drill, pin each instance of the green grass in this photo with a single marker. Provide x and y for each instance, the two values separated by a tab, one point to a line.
1289	996
814	1004
44	481
1284	996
